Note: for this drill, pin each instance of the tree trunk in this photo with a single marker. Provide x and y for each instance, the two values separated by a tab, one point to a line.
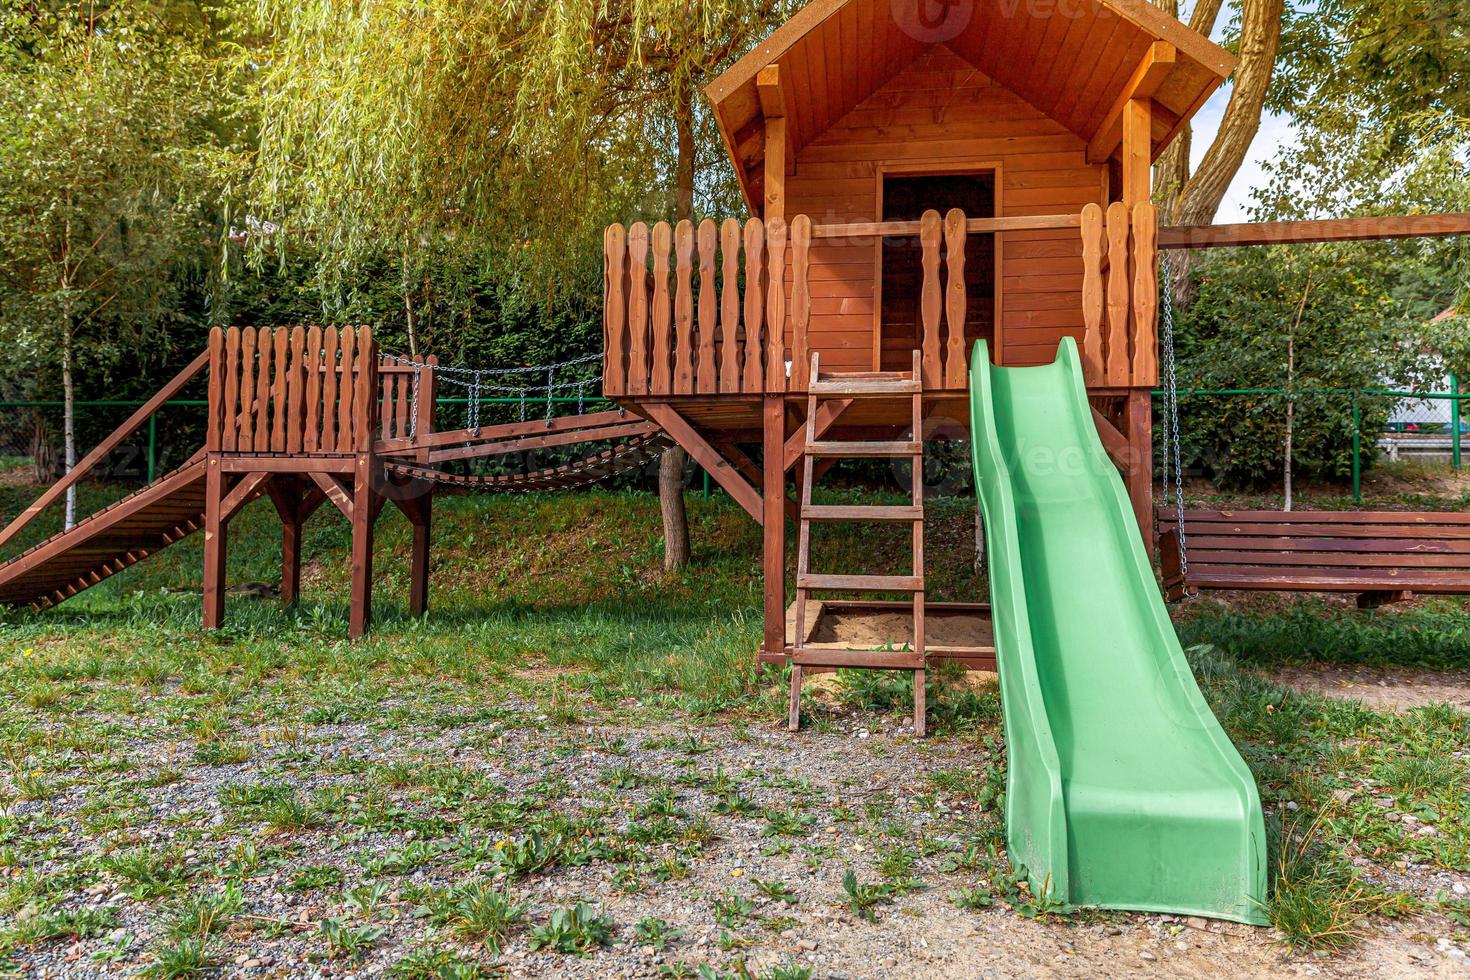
1195	198
671	464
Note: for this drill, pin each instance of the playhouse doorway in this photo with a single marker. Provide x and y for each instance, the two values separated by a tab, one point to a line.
905	197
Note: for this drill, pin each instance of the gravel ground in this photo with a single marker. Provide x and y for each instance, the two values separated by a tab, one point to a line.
735	835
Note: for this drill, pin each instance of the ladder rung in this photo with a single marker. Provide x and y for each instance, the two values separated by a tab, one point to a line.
872	386
858	512
870	659
864	449
861	583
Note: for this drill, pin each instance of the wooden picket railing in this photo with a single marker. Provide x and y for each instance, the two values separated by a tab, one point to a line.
309	391
669	331
1120	296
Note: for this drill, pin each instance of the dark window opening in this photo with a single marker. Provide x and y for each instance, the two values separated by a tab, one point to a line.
906	199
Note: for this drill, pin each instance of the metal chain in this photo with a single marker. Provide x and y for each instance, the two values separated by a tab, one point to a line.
413	418
1173	452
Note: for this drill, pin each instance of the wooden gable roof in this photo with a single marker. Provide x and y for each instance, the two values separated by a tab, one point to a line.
1076	61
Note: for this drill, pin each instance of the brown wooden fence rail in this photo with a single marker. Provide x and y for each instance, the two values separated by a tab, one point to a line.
1120	296
694	310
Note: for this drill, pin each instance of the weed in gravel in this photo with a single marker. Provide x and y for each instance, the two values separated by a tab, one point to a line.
149	873
654	933
315	876
477	910
1316	899
523	856
204	915
862	899
787	823
973	899
367	899
777	891
181	960
437	964
577	930
221	753
83	923
622	777
1428	774
731	909
348	942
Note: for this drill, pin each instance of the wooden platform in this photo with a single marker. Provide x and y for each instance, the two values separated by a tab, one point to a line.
957	631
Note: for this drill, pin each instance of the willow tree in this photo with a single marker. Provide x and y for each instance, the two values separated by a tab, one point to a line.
107	144
520	128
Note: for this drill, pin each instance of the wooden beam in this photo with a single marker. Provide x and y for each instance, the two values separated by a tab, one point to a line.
496	433
635	427
827	414
215	530
1379	228
768	87
1158	61
705	455
773	565
54	492
773	182
1137	153
242	493
973	226
334	492
1113	441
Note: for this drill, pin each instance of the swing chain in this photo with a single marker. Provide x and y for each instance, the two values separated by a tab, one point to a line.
1172	451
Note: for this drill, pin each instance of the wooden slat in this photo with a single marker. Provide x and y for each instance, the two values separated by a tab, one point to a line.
1427	519
1116	353
1332	559
614	310
365	397
684	307
864	450
661	380
1206	543
1145	296
331	353
955	301
296	391
1274	530
801	301
861	583
280	355
705	378
755	239
866	659
245	417
638	309
1094	243
861	512
264	349
226	417
705	455
1341	580
730	306
311	431
931	232
776	305
346	389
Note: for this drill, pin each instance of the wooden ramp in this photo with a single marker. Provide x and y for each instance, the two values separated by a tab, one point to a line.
103	544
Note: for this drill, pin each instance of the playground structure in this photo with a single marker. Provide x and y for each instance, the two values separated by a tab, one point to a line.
949	236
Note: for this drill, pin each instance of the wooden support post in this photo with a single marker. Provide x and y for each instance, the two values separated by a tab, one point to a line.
287	495
1140	476
215	529
361	613
1137	152
774	524
418	598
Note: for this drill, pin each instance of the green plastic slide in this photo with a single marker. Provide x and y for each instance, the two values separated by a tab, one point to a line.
1123	791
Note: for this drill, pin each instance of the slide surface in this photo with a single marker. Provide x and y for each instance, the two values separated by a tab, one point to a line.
1123	791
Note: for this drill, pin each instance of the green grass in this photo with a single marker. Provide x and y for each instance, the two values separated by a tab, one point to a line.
552	617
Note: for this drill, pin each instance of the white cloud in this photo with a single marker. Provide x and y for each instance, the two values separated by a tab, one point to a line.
1276	132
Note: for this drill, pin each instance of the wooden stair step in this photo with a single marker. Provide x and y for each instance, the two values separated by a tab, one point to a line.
868	659
861	583
871	385
864	449
862	512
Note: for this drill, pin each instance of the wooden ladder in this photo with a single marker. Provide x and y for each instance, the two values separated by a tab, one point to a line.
867	385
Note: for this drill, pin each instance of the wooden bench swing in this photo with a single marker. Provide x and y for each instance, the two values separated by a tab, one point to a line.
1382	556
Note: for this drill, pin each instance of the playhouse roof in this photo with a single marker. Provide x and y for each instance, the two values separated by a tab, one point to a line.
1076	61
